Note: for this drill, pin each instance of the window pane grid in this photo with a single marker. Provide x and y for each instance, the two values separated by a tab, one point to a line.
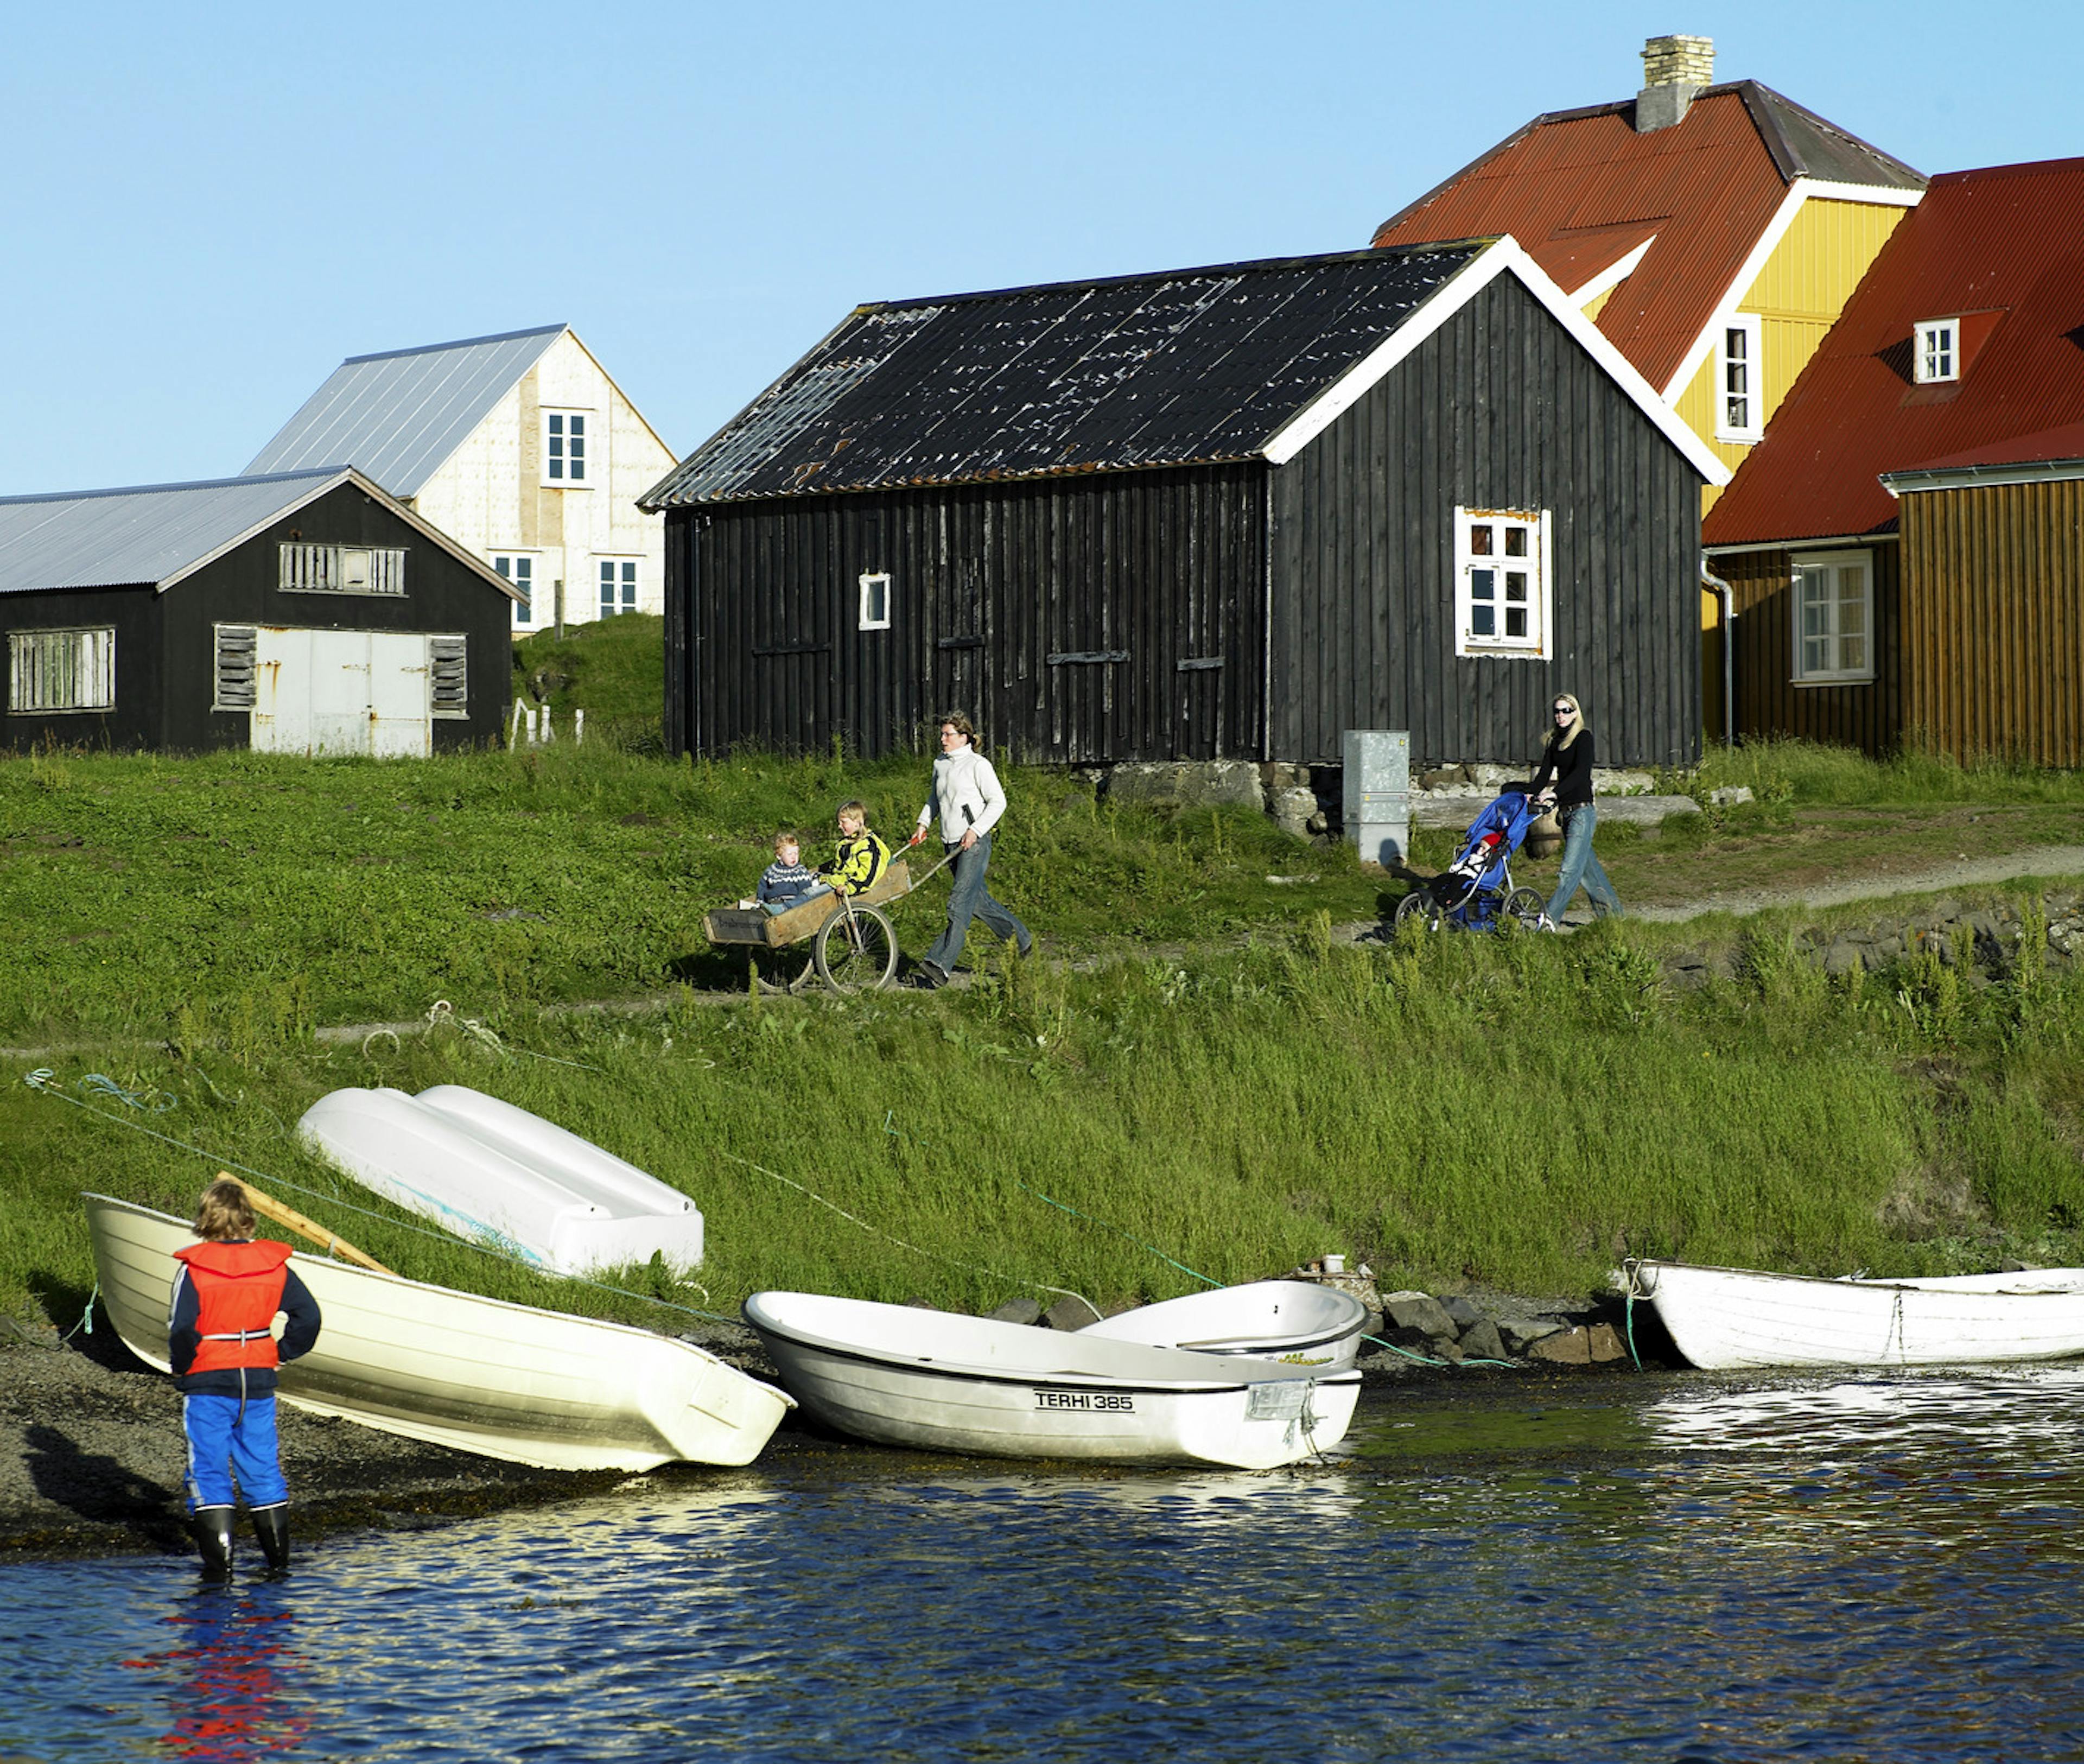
1502	605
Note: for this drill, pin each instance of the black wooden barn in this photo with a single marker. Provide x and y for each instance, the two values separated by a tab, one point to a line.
304	612
1215	513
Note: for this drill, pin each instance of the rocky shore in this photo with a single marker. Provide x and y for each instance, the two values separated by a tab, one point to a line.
91	1455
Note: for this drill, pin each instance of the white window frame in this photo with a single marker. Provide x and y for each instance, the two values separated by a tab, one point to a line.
557	426
1833	671
1935	355
1750	366
1536	643
524	609
49	676
629	574
875	595
376	571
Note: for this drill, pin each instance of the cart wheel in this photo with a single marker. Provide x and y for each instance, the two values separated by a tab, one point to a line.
776	975
856	949
1419	907
1525	905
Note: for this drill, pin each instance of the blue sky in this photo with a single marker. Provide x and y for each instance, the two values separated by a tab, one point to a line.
207	208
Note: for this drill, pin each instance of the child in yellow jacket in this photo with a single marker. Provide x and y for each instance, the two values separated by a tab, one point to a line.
862	857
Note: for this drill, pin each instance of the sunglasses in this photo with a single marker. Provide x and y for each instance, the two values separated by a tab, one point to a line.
1564	710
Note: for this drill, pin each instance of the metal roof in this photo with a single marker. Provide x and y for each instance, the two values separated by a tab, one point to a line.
142	536
1187	367
1580	189
2001	249
396	417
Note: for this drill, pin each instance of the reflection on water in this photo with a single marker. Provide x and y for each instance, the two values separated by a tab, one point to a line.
1640	1567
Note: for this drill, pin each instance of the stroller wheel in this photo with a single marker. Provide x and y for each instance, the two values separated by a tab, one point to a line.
1525	905
1420	907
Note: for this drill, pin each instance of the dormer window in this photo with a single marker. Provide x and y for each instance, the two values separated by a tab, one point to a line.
1938	353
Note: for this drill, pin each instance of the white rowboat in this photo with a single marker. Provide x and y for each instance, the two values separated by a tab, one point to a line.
901	1375
481	1375
1297	1322
488	1171
1723	1318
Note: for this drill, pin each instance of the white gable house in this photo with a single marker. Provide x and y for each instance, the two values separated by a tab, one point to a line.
520	447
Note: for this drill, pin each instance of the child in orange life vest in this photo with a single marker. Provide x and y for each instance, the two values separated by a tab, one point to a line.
220	1341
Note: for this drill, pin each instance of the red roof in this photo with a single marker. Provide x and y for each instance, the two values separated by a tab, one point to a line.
2003	250
1580	189
2047	446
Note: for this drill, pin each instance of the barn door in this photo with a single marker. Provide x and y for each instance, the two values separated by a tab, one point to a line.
340	692
959	645
1198	674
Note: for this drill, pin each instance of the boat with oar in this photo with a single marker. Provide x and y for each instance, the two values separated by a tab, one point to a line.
482	1375
901	1376
1724	1319
485	1170
1297	1322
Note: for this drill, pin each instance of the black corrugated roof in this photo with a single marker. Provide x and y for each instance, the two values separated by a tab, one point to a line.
1185	368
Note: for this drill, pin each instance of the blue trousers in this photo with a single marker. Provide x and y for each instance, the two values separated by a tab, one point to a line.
1581	866
221	1439
971	899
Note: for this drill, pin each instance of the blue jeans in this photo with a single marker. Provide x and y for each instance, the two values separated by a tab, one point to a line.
227	1434
1580	865
970	900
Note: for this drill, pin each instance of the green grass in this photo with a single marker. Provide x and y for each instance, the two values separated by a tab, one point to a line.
1781	769
614	668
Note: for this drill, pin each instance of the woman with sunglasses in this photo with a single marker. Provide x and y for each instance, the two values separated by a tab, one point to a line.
1565	780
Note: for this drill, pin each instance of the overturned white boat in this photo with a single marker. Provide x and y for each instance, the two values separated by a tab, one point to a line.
1297	1322
497	1174
482	1375
901	1376
1726	1318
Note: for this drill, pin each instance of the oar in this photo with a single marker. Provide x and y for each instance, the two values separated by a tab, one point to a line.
334	1244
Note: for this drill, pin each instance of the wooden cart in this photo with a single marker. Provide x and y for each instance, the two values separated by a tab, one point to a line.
852	944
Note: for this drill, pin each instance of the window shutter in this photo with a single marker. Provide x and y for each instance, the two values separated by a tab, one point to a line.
235	647
448	677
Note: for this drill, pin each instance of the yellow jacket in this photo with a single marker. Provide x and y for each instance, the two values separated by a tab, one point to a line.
859	863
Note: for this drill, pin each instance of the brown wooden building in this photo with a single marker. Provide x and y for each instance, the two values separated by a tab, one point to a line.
1905	548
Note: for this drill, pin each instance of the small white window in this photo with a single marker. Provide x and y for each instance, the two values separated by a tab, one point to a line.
875	601
1501	587
236	649
343	569
61	670
1938	354
1740	380
618	586
519	569
567	459
1834	618
448	677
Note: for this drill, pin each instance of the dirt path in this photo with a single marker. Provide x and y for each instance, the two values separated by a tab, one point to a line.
1970	872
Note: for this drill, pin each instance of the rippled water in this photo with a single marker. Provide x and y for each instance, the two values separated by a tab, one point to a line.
1883	1567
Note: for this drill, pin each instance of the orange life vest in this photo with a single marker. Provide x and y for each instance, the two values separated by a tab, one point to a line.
238	1290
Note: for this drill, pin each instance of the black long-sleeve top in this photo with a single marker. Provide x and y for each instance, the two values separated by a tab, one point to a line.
1571	767
299	1336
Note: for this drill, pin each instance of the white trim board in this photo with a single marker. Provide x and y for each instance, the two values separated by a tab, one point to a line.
1963	477
1504	256
1612	276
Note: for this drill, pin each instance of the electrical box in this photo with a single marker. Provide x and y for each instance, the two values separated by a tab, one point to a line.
1377	796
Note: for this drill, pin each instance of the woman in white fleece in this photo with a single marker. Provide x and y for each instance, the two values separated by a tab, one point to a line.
967	797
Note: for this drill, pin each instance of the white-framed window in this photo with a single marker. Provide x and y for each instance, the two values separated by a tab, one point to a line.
568	448
309	568
1938	355
1834	618
72	670
1740	379
237	649
448	677
618	586
875	601
518	567
1502	605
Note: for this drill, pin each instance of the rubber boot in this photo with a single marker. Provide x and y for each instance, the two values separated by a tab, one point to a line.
271	1525
211	1528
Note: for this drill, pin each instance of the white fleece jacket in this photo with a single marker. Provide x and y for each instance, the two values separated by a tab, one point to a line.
966	794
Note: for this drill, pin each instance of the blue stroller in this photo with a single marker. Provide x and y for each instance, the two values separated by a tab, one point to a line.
1476	893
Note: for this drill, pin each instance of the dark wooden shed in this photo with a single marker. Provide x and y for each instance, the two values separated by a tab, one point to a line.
1227	512
303	612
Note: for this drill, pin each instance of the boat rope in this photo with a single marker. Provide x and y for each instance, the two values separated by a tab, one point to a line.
932	1255
441	1014
44	1081
85	1325
1628	1308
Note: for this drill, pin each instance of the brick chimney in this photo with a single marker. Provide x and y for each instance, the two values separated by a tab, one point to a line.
1675	68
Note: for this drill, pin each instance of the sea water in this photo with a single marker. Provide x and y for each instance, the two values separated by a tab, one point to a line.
1669	1568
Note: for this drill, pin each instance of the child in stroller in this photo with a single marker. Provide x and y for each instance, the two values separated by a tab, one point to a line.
1477	892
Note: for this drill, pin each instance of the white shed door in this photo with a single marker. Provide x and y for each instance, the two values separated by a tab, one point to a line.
341	692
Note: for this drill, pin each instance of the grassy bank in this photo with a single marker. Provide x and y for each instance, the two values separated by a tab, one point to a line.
1516	1112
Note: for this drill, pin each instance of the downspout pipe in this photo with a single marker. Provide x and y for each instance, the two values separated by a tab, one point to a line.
1729	599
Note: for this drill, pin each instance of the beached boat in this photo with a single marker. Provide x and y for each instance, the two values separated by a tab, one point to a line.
1297	1322
901	1376
1723	1318
482	1375
497	1174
